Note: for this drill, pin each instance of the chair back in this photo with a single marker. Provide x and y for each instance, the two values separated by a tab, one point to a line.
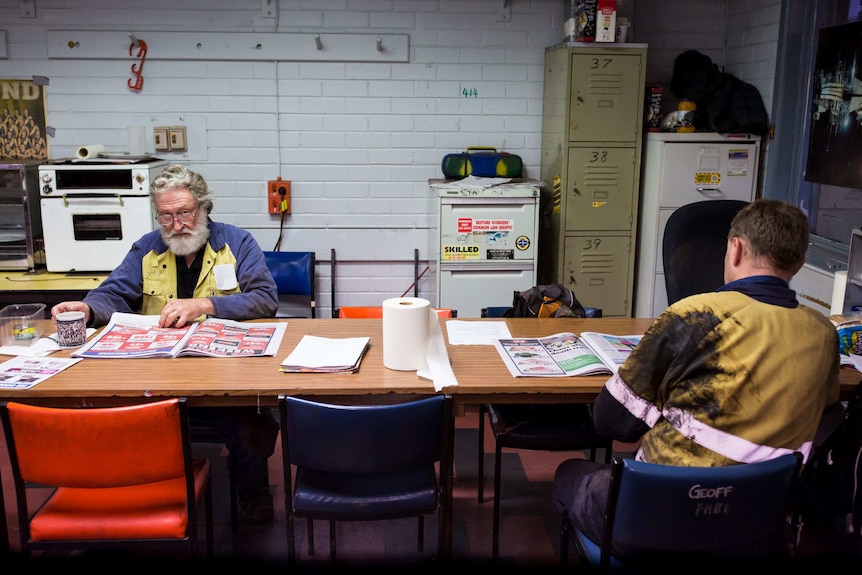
359	439
727	511
693	247
98	448
293	273
372	311
121	477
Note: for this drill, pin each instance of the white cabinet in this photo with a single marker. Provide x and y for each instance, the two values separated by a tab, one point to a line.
486	245
680	169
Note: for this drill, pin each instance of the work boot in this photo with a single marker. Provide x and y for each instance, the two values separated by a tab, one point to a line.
255	507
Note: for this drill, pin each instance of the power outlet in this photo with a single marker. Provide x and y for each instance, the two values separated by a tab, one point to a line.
278	196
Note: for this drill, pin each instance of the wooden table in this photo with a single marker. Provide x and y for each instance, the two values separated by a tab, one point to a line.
481	374
242	381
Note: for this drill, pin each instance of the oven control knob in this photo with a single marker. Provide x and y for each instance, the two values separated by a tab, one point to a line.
46	189
140	178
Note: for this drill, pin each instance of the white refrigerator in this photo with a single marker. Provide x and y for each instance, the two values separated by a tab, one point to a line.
680	169
486	245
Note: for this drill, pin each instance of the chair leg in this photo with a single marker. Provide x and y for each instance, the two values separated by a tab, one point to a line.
332	540
564	542
421	546
208	518
310	530
291	537
231	480
495	525
481	474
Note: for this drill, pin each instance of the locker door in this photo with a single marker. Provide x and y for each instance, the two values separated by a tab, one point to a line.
596	268
601	104
600	188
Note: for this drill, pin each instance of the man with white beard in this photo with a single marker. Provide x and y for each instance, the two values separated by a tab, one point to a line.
191	268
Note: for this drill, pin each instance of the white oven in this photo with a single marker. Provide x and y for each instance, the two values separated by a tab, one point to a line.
94	210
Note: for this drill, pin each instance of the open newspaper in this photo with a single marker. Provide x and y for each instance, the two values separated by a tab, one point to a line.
565	354
130	335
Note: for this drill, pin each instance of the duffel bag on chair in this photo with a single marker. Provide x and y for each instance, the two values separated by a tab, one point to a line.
482	161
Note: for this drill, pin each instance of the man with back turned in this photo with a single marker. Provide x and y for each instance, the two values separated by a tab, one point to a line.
739	375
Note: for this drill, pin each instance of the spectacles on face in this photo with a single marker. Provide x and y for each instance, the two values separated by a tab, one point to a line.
185	217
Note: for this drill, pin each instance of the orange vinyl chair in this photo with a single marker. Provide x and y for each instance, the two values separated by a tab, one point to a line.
122	478
366	311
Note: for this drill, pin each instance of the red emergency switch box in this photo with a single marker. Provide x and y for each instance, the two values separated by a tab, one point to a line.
278	196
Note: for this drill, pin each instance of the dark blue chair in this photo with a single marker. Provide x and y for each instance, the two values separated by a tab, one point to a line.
660	513
293	273
367	462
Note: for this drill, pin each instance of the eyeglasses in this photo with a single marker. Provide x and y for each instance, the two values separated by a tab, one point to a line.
184	217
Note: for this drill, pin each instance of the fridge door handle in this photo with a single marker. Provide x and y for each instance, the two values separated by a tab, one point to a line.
710	192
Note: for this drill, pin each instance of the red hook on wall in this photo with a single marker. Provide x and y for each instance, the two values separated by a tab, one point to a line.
138	69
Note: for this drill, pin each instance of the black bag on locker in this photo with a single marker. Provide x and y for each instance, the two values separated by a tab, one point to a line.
552	300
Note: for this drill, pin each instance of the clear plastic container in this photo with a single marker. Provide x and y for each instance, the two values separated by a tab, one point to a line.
21	324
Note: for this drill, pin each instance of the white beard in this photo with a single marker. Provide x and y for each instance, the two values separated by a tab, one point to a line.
187	241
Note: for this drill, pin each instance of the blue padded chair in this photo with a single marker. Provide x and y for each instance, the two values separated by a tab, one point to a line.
693	247
658	513
537	427
367	462
293	273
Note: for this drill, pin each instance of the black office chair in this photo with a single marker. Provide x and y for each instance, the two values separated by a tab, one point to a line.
660	513
365	463
293	273
537	427
693	247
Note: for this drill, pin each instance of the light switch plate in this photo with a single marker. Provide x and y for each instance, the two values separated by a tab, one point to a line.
177	139
160	138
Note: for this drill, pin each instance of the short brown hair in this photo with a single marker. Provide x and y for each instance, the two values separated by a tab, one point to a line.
775	230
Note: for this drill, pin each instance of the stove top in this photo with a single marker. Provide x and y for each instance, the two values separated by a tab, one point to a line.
105	159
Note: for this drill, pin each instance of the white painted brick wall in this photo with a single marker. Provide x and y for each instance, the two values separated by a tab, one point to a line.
357	140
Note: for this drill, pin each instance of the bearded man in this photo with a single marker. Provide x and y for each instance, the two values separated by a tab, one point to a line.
189	269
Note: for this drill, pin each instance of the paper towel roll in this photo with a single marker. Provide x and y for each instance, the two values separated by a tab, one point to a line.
90	151
137	140
839	286
406	330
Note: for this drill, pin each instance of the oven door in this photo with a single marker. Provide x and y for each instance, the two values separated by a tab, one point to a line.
92	233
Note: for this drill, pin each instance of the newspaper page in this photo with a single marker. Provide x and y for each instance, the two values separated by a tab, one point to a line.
24	372
226	338
613	349
558	355
130	335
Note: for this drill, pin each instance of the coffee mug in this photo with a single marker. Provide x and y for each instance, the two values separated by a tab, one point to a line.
71	328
